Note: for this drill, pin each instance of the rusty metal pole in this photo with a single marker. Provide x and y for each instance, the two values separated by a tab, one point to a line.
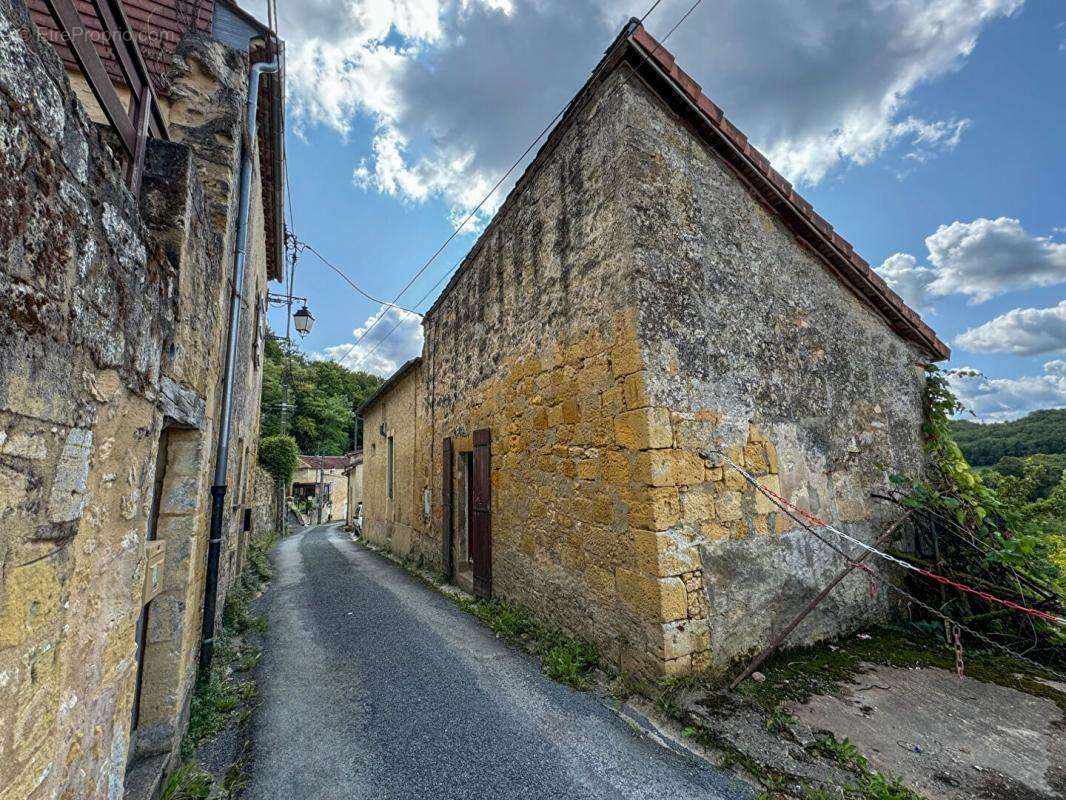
814	603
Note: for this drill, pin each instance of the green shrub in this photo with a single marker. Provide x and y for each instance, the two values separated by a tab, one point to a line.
279	456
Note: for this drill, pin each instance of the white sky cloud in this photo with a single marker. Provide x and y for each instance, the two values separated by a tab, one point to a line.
909	280
457	88
381	352
1021	332
999	399
979	259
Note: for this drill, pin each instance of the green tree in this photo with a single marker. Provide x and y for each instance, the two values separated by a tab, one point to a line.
985	444
323	396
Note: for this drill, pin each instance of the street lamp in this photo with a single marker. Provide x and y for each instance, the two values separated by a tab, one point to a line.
303	320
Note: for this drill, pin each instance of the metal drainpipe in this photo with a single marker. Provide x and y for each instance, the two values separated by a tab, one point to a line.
218	489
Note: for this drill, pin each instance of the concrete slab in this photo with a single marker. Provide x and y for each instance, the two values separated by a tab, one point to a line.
948	737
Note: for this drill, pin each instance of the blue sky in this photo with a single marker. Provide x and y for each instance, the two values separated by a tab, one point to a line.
929	134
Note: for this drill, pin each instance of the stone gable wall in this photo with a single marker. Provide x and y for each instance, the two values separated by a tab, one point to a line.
631	310
758	350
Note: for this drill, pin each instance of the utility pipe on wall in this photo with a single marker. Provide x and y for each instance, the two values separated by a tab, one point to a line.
218	488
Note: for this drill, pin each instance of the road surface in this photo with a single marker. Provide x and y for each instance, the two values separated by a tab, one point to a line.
372	685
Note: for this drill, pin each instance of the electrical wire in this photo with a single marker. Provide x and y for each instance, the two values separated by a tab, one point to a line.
782	502
794	513
551	124
350	282
392	330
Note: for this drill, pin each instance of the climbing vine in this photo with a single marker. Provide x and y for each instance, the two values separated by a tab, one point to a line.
981	533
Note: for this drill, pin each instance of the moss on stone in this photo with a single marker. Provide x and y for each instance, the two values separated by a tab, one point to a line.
798	675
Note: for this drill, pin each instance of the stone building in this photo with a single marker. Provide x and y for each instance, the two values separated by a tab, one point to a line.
652	294
394	468
321	482
354	473
113	336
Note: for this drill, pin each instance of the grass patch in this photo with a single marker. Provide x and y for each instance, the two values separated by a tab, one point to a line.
222	697
188	782
568	661
562	658
843	752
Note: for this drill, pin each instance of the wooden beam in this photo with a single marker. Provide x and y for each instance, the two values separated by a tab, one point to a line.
81	45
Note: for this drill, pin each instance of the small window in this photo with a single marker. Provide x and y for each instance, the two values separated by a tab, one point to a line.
389	468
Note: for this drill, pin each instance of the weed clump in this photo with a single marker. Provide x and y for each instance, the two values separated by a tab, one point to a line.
562	658
188	782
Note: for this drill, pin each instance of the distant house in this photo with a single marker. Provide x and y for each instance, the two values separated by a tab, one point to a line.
651	295
320	483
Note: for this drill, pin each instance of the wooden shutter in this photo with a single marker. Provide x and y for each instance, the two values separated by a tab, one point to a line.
447	518
481	516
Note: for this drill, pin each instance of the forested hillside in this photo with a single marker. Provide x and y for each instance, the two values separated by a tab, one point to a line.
1041	432
323	396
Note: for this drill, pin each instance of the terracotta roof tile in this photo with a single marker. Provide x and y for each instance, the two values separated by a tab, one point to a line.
323	462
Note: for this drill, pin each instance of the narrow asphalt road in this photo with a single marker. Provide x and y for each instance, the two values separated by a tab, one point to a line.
372	685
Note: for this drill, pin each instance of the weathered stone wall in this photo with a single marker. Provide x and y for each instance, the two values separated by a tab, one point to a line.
111	347
85	314
268	504
198	235
755	348
631	310
208	96
396	523
355	491
537	341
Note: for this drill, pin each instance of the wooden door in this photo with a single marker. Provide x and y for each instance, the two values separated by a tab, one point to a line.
447	517
481	513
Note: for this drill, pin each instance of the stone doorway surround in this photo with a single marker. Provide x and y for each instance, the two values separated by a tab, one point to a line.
172	631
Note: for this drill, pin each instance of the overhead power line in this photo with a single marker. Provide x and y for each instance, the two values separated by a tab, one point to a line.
392	330
350	282
495	186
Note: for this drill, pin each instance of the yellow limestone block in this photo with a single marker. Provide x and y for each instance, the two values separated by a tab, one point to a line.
571	410
654	508
664	554
636	391
643	429
763	504
614	468
626	358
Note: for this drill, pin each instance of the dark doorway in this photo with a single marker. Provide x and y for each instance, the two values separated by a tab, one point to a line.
481	513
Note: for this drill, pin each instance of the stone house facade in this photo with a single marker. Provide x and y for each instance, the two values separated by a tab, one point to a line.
116	309
394	469
324	480
651	295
